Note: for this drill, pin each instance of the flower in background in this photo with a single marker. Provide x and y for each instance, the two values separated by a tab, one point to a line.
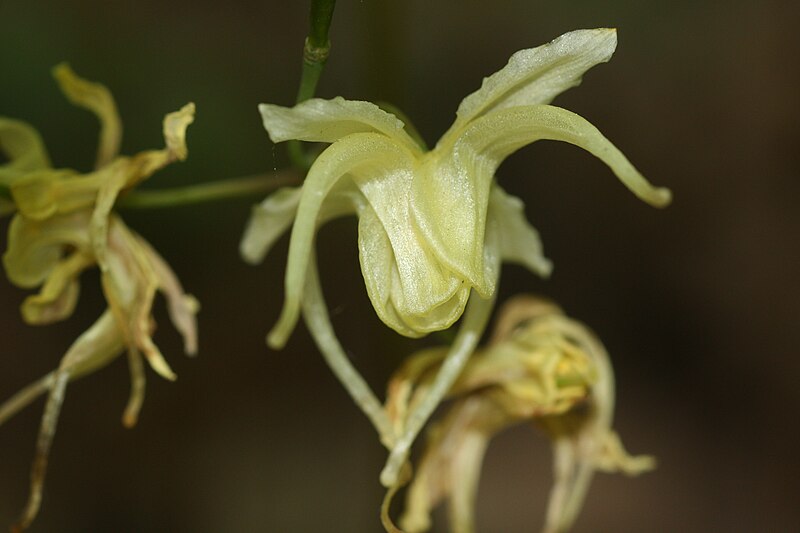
65	224
539	366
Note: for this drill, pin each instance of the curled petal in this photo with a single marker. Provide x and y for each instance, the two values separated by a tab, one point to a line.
411	290
175	125
268	221
500	134
316	316
319	120
36	247
50	192
182	307
24	148
58	296
125	173
360	154
130	283
537	75
450	466
98	99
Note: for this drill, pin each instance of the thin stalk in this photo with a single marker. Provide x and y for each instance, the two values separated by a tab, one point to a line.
315	53
206	192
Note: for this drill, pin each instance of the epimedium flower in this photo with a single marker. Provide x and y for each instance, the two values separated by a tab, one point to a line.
434	226
539	366
64	224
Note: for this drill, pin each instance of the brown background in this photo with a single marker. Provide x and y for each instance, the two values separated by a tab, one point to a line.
697	304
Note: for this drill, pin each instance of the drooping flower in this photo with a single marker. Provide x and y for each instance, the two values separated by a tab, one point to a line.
65	224
539	366
434	225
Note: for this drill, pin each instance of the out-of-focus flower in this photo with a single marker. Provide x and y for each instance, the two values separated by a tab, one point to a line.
433	225
64	224
539	366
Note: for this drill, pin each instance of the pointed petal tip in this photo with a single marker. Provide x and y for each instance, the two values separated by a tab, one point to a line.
276	339
61	69
661	197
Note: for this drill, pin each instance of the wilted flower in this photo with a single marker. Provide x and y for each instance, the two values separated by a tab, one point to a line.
433	225
539	366
64	224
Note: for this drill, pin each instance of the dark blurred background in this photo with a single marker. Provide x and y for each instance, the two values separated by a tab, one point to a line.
697	304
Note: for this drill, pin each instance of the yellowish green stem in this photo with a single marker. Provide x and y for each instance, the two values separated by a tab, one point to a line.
206	192
315	53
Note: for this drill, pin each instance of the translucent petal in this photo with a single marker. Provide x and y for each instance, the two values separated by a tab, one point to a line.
319	120
519	241
449	202
364	154
96	98
537	75
268	221
499	134
23	146
408	288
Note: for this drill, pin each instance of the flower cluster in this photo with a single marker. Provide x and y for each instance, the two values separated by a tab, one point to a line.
433	226
63	224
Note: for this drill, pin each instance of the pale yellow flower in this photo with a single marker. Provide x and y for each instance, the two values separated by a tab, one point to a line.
434	226
540	366
64	224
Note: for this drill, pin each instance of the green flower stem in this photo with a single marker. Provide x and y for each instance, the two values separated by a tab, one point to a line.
205	192
315	53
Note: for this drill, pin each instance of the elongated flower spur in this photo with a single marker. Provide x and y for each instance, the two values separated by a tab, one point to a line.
434	226
539	366
64	224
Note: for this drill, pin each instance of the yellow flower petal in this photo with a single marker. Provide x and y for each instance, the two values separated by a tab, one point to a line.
319	120
519	242
361	154
537	75
499	134
24	148
36	247
268	221
98	99
58	296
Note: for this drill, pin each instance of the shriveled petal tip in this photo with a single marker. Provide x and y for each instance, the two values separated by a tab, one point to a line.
537	75
175	125
318	120
23	146
98	99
